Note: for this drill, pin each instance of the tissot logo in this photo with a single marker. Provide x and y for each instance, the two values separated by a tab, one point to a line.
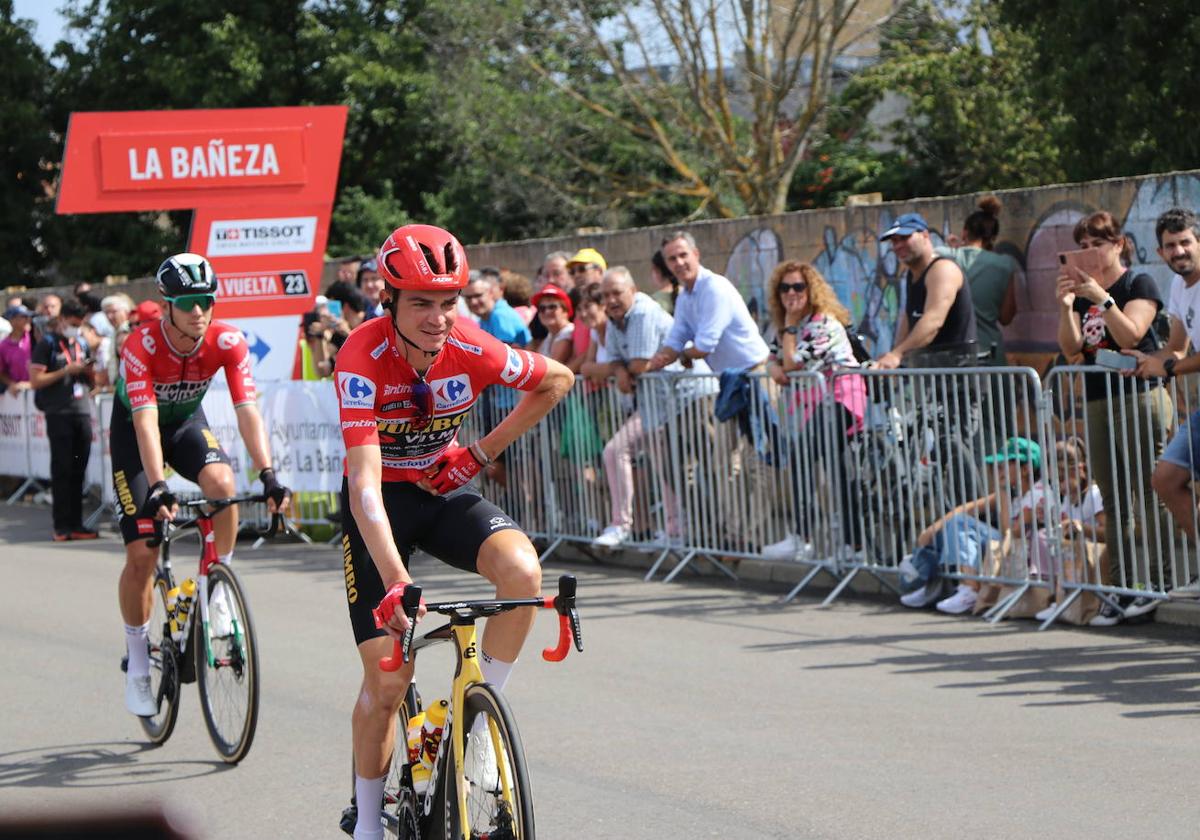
246	237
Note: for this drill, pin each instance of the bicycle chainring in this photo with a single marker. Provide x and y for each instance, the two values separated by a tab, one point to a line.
408	822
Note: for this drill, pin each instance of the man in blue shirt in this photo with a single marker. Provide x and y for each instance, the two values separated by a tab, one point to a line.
710	313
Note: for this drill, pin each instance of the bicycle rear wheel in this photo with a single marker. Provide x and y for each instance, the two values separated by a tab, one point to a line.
493	775
229	684
164	669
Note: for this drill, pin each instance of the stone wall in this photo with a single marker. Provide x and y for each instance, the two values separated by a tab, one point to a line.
843	244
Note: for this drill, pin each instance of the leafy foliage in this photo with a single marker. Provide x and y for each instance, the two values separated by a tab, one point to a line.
26	146
972	121
1123	75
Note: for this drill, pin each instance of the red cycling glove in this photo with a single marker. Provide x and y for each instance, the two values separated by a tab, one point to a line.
458	467
389	604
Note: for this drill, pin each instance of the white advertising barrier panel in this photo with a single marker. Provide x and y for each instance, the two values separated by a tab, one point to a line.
272	342
39	446
301	420
14	433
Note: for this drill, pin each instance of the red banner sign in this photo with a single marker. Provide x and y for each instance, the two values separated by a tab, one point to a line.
176	160
180	160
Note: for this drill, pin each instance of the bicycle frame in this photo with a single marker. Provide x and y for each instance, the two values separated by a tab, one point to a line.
461	630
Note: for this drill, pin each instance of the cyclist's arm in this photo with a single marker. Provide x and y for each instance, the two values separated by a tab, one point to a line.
250	426
535	405
365	478
149	441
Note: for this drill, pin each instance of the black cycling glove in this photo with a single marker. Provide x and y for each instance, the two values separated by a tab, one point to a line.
159	496
272	489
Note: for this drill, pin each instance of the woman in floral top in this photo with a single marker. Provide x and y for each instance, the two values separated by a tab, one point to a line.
1115	310
811	325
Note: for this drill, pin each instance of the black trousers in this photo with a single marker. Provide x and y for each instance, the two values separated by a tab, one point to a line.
70	437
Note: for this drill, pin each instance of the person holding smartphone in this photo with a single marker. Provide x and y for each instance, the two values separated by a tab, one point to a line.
61	376
1114	309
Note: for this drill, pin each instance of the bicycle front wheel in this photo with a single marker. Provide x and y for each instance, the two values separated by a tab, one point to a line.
164	668
493	775
226	654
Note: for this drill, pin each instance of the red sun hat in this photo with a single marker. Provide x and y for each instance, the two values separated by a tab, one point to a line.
558	294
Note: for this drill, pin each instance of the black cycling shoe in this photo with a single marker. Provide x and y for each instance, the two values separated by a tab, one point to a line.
349	819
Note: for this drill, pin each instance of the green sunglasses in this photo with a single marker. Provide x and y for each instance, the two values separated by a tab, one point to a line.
188	302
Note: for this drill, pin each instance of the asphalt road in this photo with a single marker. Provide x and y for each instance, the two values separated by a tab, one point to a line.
696	710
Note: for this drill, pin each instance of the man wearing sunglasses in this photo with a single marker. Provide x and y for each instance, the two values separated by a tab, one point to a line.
166	367
406	383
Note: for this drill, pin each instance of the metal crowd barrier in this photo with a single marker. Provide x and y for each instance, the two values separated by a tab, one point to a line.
855	469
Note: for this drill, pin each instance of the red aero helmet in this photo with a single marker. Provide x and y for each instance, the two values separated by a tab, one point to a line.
423	258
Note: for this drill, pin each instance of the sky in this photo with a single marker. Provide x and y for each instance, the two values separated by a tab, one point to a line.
44	13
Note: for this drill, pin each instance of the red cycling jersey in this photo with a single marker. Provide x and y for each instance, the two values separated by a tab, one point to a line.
153	374
374	385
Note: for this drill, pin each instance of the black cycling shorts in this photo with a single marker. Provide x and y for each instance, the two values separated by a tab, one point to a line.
188	447
451	528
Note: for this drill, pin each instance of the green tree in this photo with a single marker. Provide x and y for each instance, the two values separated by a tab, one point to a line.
972	120
1123	73
26	146
657	110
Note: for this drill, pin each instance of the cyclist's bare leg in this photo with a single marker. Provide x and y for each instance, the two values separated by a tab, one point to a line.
216	482
509	560
374	719
135	591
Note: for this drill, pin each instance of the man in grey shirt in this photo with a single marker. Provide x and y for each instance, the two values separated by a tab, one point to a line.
709	313
637	327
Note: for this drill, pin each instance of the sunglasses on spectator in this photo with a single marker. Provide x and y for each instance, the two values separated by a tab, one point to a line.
578	268
189	302
798	288
422	400
548	307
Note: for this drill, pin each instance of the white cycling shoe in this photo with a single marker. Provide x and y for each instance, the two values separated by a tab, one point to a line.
139	699
479	763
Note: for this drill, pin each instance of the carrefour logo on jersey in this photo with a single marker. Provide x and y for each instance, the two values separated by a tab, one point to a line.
356	391
451	392
247	237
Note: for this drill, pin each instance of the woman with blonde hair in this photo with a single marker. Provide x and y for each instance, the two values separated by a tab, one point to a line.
811	325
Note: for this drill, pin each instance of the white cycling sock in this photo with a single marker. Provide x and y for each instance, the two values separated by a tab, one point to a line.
368	797
226	559
136	640
495	671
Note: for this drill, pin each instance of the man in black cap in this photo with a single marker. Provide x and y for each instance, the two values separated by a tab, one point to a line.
939	319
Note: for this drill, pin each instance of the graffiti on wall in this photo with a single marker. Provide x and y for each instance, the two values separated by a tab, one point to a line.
869	281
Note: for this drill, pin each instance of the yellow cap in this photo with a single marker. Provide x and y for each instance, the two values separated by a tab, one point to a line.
588	256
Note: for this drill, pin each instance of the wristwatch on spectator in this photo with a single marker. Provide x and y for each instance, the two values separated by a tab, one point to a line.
792	330
1108	303
1169	367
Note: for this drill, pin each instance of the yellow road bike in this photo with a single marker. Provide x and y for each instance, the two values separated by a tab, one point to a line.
479	784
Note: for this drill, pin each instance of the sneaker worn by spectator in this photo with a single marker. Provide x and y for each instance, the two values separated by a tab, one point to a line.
1042	615
612	536
61	537
669	540
139	699
923	597
1109	615
790	547
84	534
963	600
1139	606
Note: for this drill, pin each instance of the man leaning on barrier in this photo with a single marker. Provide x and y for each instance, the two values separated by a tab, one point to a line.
637	327
938	327
1178	234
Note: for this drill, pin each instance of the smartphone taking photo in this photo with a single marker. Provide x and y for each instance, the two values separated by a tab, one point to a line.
1087	260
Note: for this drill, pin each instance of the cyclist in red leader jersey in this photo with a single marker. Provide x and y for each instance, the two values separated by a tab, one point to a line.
165	370
405	384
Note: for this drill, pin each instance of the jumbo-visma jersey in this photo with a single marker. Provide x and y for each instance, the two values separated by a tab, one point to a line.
153	374
374	387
